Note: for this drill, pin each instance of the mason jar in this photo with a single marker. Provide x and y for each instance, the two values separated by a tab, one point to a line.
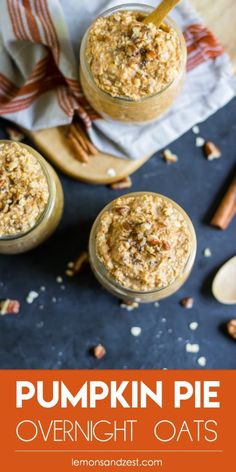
124	109
130	295
47	221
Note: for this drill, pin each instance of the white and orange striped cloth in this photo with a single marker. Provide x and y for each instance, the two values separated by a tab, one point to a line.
39	84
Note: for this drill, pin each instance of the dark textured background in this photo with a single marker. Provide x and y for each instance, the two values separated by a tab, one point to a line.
62	334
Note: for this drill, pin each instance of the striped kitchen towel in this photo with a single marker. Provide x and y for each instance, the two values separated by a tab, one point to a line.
39	78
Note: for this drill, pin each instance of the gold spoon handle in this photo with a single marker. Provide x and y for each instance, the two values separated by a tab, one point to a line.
158	15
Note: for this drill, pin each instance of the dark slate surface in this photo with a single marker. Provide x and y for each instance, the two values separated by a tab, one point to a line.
62	333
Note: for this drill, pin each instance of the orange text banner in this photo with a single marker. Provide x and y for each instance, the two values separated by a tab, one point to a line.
117	420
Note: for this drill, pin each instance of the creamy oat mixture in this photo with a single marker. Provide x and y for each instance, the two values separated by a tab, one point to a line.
143	242
131	59
23	190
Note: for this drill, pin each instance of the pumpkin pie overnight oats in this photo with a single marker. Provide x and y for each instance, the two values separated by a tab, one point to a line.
142	247
132	71
31	198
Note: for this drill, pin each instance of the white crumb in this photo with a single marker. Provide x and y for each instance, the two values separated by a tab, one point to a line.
193	325
202	361
135	331
54	299
195	129
207	252
199	142
163	320
32	295
40	324
156	304
130	307
193	348
42	289
70	264
111	172
59	279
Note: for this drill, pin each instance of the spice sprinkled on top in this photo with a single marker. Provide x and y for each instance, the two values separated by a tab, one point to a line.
143	241
131	59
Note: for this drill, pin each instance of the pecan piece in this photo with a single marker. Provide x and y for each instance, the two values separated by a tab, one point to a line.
166	245
187	302
14	134
151	54
154	242
211	151
231	328
129	305
169	157
99	351
9	307
122	184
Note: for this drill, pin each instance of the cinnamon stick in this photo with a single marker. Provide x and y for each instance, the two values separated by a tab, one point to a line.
227	208
78	136
91	148
80	153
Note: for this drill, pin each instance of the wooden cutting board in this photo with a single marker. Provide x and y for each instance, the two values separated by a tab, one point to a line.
54	146
220	17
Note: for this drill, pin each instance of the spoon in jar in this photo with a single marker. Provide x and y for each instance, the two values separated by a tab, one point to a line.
158	15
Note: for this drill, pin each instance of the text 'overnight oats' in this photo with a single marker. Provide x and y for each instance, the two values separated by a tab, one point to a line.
143	242
131	59
132	71
23	190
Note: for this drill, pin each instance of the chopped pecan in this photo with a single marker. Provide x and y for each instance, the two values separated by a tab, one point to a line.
231	328
151	54
9	307
154	242
122	184
129	305
187	302
14	134
211	151
166	245
169	157
122	210
99	351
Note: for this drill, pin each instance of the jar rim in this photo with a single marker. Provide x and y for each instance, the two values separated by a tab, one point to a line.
43	164
126	6
128	291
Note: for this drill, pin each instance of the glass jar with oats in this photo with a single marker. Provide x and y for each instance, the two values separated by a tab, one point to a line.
31	198
131	71
142	247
